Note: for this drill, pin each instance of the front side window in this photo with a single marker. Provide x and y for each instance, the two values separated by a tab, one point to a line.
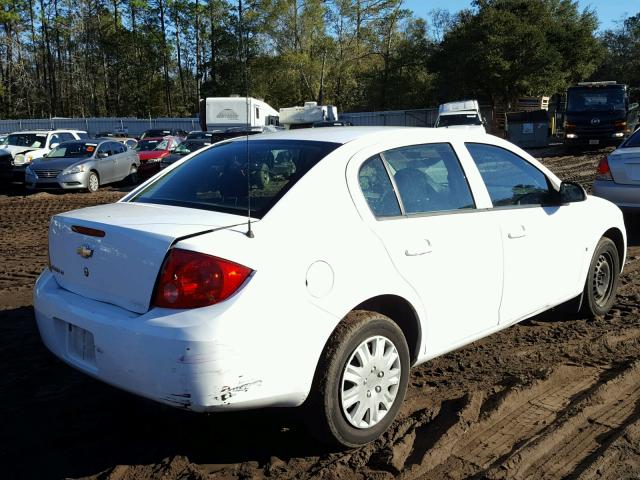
429	178
222	179
510	179
377	188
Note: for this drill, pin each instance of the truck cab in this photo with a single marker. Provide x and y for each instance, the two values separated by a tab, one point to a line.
599	113
463	114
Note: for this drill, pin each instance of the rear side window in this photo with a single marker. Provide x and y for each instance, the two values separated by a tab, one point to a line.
429	178
510	179
222	179
83	135
377	188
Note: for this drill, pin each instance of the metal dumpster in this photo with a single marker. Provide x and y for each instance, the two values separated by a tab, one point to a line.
528	129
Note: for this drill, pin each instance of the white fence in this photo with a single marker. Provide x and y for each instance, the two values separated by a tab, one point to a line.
93	126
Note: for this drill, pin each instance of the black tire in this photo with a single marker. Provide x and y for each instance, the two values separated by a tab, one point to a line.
328	421
602	279
264	176
93	182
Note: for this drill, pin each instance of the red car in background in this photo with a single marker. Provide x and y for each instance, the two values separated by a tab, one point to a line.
152	150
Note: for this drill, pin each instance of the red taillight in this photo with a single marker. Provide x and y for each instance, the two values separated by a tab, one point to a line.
191	279
603	172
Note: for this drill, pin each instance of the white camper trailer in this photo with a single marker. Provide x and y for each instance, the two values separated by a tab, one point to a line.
221	113
464	114
310	115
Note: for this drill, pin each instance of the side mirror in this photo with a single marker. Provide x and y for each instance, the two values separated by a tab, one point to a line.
572	192
103	154
53	145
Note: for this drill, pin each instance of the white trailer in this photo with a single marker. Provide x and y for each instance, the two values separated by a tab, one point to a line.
309	115
221	113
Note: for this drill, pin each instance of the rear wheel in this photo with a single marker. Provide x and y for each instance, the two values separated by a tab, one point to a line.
602	279
361	380
93	182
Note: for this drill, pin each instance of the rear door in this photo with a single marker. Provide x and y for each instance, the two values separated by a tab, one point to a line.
446	249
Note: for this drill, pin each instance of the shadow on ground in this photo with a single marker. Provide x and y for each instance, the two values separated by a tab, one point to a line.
57	422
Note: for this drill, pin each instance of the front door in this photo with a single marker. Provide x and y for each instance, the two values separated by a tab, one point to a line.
543	256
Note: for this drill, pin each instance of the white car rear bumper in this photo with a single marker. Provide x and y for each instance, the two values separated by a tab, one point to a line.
170	356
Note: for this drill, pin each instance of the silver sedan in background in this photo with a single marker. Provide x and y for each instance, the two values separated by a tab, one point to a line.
618	175
83	164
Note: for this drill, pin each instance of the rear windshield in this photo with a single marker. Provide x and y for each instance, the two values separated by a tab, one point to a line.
633	140
216	179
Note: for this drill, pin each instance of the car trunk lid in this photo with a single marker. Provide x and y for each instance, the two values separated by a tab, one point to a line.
624	164
113	253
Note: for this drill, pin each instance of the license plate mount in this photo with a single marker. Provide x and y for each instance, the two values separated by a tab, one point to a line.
80	345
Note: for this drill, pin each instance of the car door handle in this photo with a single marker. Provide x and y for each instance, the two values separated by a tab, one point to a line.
420	248
518	232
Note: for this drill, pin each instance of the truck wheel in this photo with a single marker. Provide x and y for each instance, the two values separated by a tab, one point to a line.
93	182
361	380
602	279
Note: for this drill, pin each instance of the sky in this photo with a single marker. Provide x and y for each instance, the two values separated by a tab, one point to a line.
609	11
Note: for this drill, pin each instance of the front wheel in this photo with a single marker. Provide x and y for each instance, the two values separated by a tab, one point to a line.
133	175
93	183
361	380
602	279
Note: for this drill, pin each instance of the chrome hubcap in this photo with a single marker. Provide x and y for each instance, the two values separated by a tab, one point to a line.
370	382
93	182
602	279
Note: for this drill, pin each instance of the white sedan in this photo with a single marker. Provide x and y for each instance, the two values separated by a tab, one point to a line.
369	250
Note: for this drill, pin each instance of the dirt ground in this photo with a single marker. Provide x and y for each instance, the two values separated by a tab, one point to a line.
553	397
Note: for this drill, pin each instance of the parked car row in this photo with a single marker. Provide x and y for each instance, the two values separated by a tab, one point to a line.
69	159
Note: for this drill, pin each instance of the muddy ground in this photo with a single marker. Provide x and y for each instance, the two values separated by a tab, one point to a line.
553	397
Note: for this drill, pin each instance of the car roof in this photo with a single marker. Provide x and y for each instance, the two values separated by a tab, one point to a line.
345	135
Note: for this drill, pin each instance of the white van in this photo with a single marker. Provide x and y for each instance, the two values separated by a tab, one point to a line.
464	114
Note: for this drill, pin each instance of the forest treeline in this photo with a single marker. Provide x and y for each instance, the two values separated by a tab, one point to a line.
76	58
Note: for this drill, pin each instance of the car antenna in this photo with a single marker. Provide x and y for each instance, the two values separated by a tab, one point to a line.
244	52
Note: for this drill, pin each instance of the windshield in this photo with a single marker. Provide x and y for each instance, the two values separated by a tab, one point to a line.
461	119
146	145
595	99
73	150
163	145
32	140
188	147
633	140
216	179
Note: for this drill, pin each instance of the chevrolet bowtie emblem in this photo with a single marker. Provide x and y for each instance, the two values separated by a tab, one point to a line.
84	251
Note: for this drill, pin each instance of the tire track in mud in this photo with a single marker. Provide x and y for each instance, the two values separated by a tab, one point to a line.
478	439
571	444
